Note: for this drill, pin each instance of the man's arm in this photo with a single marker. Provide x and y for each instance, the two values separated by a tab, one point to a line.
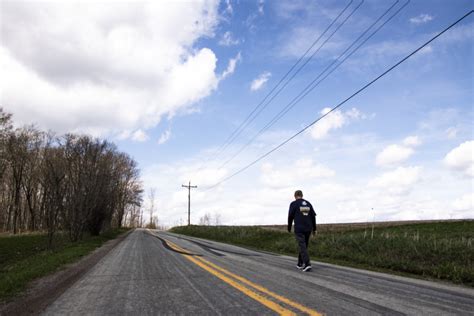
291	217
313	219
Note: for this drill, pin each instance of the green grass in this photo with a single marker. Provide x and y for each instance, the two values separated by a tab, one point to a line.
24	258
441	250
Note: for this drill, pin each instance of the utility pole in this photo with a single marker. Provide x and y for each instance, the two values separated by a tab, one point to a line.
373	220
189	187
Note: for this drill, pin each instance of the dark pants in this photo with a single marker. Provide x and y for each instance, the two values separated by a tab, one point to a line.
303	243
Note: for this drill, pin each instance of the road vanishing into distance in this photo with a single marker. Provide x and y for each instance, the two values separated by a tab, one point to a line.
155	273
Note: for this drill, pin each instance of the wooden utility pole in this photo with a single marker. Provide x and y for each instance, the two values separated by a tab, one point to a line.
189	187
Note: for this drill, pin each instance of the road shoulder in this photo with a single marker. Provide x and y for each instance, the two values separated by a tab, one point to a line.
42	292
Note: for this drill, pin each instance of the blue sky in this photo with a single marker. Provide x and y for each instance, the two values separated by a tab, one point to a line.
168	82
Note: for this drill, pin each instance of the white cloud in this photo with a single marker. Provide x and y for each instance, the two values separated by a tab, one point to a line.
300	171
334	120
344	191
231	66
260	6
228	40
421	19
260	81
164	137
295	43
355	114
228	7
90	68
397	181
412	141
140	136
461	158
425	50
393	154
465	203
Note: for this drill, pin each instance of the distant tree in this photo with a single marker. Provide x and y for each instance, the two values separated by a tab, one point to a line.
217	219
151	207
205	220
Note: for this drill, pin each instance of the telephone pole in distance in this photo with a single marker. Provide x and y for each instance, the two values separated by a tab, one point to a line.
189	187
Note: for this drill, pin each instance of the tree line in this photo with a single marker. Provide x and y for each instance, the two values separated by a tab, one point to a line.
74	184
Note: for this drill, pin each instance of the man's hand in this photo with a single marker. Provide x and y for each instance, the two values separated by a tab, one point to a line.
314	233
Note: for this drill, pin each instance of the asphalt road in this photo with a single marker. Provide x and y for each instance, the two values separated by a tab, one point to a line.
155	273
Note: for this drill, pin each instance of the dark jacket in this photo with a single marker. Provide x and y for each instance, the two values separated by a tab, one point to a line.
302	212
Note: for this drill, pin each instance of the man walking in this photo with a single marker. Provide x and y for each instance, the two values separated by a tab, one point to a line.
302	212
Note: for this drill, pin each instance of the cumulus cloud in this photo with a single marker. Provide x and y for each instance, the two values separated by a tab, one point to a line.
461	158
228	40
395	154
93	68
299	171
261	195
421	19
140	136
397	181
333	121
260	81
164	137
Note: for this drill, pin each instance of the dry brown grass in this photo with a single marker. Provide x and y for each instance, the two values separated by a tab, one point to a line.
340	227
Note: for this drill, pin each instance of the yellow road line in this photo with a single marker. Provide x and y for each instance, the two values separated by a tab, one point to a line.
259	298
256	296
283	299
264	290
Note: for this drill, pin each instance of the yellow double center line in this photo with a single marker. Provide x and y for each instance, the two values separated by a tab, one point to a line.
230	278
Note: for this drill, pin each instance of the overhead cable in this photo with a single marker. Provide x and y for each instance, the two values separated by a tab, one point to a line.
314	83
252	115
343	102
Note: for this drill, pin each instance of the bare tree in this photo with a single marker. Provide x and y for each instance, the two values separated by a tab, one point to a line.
205	220
73	183
53	180
151	201
217	219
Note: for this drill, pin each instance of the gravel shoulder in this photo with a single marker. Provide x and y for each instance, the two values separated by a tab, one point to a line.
42	292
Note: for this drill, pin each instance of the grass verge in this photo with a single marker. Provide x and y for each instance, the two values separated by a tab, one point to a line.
441	250
24	258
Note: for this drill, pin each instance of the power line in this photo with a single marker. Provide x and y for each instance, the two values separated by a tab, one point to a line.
298	70
251	115
344	101
311	86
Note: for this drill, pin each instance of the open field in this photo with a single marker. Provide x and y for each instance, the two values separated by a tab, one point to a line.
24	258
362	225
434	250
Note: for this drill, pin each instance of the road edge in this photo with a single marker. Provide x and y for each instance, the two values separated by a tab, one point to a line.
438	284
43	291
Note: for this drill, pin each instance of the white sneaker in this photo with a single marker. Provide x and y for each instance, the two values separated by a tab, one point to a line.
307	269
299	267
